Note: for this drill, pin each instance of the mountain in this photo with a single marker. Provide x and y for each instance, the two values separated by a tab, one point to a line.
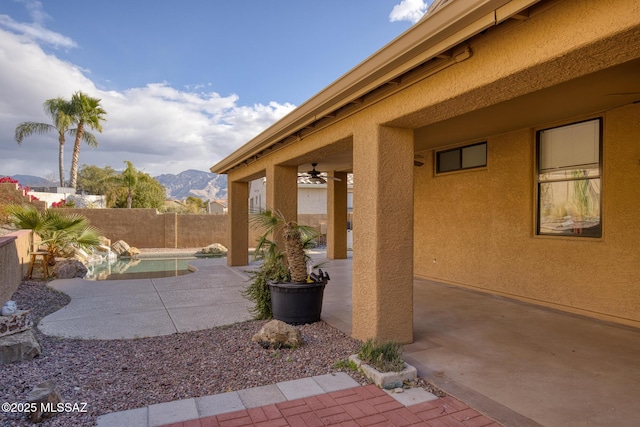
32	181
205	185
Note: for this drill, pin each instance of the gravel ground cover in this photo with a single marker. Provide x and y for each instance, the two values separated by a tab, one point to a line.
116	375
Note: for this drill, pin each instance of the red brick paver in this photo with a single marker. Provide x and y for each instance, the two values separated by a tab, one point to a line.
365	406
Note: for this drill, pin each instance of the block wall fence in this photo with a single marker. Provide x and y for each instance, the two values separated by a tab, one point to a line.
147	228
141	228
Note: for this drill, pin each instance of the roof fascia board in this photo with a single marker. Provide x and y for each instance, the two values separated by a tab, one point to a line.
512	8
434	34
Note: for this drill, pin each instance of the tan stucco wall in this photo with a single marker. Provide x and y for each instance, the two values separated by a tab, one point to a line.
146	228
476	228
14	262
487	240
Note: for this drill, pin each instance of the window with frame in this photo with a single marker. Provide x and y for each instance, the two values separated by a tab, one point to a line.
569	186
461	158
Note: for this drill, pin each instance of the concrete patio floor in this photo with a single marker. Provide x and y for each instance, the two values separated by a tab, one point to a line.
124	309
521	364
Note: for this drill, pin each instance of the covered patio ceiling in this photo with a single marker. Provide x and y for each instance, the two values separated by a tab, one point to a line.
600	91
606	89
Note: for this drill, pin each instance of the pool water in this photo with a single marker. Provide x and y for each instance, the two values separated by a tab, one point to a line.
146	268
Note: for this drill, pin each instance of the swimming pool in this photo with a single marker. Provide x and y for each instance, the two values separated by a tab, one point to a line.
145	268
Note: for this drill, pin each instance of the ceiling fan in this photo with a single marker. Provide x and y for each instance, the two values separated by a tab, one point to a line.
314	176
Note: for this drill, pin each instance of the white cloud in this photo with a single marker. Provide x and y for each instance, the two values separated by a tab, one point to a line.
159	128
36	32
36	11
408	10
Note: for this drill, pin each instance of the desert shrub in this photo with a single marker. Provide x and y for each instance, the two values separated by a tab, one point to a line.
258	289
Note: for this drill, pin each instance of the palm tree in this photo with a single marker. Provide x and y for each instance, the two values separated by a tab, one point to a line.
85	111
296	238
129	179
60	112
57	109
59	233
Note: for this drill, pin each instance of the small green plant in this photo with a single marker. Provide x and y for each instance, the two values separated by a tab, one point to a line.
385	356
346	364
258	289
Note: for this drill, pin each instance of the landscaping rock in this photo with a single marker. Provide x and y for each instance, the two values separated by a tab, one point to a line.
213	249
15	323
120	247
69	269
9	308
132	251
18	347
45	396
277	334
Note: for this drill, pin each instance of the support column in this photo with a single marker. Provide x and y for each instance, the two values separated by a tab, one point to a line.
282	193
383	237
171	230
238	250
337	216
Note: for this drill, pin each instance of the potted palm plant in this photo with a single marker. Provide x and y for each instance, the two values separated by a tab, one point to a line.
295	290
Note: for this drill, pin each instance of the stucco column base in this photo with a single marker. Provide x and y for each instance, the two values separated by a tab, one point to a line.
238	250
383	237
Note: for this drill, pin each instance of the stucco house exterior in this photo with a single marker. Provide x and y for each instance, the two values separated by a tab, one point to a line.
494	145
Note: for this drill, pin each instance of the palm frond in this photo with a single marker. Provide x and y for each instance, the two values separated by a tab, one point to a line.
26	129
25	217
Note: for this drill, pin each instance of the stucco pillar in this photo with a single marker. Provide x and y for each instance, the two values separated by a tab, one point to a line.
171	230
337	216
383	234
282	193
238	250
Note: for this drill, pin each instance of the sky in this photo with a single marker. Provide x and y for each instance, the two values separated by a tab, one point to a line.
184	84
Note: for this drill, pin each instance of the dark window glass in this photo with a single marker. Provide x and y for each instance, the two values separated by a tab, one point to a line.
468	157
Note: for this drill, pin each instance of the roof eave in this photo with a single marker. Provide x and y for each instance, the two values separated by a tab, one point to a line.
411	48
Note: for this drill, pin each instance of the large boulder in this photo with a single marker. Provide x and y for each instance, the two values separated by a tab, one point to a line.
13	323
69	269
18	347
213	249
120	247
278	334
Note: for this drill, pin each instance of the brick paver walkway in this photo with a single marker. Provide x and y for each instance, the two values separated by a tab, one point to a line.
354	407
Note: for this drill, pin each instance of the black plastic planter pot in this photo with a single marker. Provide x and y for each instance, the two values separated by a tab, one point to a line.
295	303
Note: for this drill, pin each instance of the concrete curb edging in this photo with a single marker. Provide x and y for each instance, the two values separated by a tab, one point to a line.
385	380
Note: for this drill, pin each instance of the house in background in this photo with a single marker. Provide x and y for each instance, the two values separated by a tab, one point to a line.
312	196
494	145
216	207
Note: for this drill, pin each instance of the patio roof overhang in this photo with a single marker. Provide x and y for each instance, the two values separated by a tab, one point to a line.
432	44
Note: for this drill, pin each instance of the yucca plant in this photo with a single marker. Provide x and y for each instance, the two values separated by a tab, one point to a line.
297	238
